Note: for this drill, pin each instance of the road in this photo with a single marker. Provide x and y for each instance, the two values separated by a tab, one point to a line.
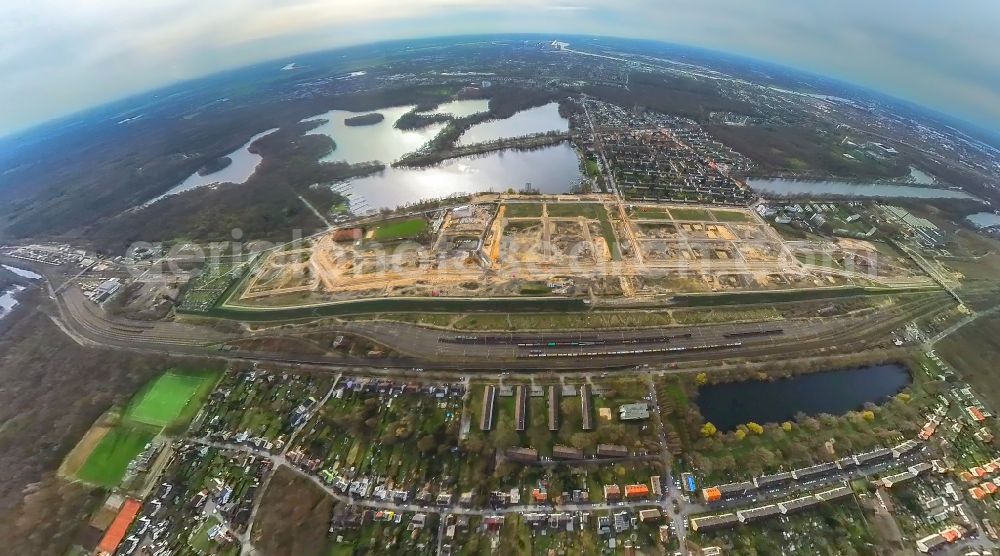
961	324
279	460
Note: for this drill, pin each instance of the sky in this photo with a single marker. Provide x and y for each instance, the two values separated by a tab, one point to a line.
62	56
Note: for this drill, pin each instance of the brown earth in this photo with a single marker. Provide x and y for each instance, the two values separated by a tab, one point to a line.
51	392
79	454
293	517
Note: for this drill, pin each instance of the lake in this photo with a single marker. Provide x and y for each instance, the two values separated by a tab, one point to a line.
533	120
920	177
984	219
834	392
461	108
365	143
8	300
554	169
781	187
23	272
243	165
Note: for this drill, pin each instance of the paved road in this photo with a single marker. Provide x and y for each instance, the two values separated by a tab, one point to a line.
279	460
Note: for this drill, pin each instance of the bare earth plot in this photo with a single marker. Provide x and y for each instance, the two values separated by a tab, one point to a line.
578	246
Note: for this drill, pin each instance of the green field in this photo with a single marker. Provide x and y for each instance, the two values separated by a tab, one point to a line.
169	399
690	214
731	216
593	211
523	210
107	463
650	213
401	229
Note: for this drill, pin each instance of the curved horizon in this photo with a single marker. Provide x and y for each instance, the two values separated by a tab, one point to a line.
63	58
284	60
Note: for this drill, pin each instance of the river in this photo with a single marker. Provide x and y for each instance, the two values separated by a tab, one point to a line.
782	187
835	392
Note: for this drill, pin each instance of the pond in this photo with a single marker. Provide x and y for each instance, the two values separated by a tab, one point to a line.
781	187
533	120
554	169
243	165
835	392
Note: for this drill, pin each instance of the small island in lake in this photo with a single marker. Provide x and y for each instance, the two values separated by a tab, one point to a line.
214	166
364	119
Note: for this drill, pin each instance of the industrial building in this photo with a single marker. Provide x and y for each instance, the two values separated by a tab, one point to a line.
489	407
587	411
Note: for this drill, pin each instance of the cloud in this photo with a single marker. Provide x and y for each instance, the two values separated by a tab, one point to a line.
58	56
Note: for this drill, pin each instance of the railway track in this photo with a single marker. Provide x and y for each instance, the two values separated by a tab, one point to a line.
590	350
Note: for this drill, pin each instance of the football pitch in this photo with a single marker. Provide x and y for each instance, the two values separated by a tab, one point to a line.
166	399
106	465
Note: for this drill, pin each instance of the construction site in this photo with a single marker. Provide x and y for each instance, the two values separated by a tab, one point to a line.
586	246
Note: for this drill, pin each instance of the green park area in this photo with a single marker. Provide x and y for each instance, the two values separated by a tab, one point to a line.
400	229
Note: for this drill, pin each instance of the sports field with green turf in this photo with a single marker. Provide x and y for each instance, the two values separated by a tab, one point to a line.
106	465
401	229
170	398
